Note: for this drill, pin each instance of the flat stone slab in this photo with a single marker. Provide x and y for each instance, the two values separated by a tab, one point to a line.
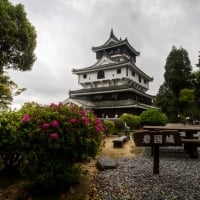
106	163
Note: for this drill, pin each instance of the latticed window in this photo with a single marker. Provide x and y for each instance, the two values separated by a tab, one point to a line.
100	75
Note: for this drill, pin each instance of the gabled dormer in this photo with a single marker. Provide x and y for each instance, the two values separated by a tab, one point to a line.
115	47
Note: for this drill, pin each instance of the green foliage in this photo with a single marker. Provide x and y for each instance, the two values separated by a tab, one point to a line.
186	95
5	92
131	120
11	142
17	44
109	127
189	106
153	117
57	137
178	70
164	98
178	76
52	141
8	89
197	85
17	38
119	125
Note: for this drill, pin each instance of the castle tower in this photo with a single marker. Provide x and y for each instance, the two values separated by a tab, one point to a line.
114	84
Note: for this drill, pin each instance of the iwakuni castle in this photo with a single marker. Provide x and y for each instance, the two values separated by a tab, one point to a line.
114	84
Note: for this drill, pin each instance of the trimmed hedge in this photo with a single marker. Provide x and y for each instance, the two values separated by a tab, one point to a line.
131	120
153	117
109	127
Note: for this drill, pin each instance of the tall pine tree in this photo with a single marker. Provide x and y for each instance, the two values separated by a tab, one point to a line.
178	75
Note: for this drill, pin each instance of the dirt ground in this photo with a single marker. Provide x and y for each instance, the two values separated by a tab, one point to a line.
128	149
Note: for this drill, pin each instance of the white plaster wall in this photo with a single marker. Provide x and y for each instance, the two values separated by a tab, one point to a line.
109	75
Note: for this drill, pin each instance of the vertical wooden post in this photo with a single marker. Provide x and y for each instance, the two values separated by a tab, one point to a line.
156	159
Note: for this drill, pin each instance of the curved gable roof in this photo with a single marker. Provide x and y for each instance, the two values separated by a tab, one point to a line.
105	61
112	42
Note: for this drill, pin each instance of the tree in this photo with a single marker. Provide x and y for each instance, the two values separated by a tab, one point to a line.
17	38
8	89
178	70
5	92
17	44
178	75
197	86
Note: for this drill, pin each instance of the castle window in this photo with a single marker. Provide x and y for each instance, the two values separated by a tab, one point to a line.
114	96
145	81
133	73
98	97
119	71
140	79
84	76
100	75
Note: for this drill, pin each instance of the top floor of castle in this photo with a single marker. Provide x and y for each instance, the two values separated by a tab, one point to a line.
115	66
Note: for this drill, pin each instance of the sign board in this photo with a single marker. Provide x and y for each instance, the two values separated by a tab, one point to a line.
155	139
159	138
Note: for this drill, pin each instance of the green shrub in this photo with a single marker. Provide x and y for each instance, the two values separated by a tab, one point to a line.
10	140
109	127
131	120
119	125
153	117
56	138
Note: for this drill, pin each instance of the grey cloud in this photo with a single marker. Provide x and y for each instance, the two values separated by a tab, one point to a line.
68	29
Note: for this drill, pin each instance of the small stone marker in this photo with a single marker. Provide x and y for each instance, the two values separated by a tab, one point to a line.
106	163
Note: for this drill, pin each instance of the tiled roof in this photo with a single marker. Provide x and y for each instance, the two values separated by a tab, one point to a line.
109	63
113	41
110	104
110	89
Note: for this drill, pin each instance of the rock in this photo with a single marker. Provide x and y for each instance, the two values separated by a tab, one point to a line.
106	163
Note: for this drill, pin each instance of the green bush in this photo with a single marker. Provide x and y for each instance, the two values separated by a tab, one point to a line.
55	139
109	127
131	120
119	125
10	140
153	117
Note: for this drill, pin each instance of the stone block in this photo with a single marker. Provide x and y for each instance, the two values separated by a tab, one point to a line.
106	163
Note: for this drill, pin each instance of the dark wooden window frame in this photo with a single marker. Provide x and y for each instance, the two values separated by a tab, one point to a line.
100	74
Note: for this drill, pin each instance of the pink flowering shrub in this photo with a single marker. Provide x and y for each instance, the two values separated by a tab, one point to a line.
56	138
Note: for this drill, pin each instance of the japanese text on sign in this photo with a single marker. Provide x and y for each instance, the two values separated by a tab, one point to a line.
158	139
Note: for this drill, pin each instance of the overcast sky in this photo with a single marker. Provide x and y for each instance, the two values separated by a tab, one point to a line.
67	29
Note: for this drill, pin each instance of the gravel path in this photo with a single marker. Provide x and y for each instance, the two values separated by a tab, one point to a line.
179	178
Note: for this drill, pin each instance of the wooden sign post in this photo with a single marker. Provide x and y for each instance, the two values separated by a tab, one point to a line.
155	139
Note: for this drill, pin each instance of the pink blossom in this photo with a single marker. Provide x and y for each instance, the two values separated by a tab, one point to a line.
99	128
55	123
98	122
85	120
54	105
83	112
45	125
73	120
26	118
53	136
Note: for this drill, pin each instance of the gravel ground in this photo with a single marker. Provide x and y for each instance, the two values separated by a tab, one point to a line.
178	179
